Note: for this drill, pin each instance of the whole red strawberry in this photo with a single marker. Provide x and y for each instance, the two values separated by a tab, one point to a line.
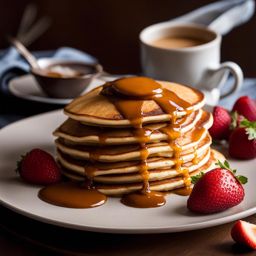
39	167
242	141
217	190
221	123
246	107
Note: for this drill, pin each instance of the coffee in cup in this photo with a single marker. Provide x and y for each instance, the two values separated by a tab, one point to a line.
172	42
188	54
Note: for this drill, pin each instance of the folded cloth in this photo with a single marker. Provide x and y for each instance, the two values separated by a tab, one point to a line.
13	65
248	88
221	16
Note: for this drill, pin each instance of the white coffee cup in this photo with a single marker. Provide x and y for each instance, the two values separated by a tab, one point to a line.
197	66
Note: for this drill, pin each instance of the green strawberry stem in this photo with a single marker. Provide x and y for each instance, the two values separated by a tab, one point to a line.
250	128
196	178
225	165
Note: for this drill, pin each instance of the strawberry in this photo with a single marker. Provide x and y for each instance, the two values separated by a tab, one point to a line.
39	167
221	123
236	120
246	106
242	141
244	233
217	190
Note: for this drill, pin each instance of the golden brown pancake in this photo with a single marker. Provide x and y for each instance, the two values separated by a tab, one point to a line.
133	134
96	109
78	133
129	152
129	166
154	174
168	184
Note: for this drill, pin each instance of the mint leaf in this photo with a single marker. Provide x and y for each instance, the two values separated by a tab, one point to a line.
196	178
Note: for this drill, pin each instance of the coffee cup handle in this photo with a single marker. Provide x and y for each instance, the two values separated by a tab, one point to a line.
237	73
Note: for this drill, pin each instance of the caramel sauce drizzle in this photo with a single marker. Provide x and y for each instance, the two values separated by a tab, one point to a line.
129	95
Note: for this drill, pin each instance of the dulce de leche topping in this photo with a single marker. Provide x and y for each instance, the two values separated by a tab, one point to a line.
141	87
72	195
128	97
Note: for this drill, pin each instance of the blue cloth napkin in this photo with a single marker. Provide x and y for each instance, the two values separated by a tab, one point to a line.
248	88
12	64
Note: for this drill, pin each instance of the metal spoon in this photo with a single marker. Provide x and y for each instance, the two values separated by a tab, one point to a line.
26	54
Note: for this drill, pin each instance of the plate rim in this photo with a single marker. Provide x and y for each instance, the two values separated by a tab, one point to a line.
151	230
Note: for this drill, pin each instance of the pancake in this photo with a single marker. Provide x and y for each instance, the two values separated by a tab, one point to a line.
128	152
136	134
94	108
79	166
78	133
162	185
154	174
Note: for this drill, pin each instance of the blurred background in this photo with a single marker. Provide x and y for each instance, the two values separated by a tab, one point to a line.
109	29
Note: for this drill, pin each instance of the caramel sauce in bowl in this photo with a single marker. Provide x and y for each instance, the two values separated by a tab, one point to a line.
64	79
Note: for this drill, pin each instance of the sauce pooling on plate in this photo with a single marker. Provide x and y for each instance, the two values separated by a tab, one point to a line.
72	195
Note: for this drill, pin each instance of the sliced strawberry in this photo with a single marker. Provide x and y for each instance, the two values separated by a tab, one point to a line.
246	106
221	123
244	233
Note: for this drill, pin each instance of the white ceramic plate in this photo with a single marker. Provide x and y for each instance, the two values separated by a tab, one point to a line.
112	217
26	87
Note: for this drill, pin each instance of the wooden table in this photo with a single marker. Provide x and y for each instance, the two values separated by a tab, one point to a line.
20	235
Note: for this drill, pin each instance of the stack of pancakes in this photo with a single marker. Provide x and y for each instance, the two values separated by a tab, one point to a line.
99	143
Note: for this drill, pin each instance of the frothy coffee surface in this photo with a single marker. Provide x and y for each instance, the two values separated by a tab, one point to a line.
177	42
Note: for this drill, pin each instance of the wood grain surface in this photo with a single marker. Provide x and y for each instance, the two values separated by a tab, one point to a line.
20	235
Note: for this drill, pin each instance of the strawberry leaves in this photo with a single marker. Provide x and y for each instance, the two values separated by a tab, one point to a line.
250	128
196	178
240	121
226	165
242	179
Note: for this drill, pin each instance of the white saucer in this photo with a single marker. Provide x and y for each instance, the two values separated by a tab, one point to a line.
113	217
26	87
